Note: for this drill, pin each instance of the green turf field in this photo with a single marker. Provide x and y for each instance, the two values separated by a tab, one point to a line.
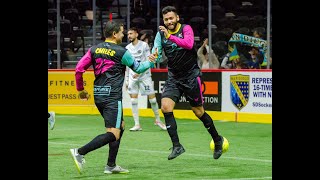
145	153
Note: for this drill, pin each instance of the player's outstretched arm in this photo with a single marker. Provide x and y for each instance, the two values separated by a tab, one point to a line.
138	67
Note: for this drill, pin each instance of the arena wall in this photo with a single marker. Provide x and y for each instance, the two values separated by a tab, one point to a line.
229	95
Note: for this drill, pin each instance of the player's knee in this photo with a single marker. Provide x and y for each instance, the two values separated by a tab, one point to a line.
115	132
151	96
198	113
117	135
134	101
167	105
165	108
153	100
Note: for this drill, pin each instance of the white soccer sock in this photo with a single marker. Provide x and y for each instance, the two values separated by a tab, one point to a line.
135	110
155	108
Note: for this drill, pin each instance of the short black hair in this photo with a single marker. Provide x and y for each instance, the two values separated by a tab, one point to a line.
167	9
110	27
134	29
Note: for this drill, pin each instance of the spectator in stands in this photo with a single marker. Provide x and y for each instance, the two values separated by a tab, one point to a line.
255	53
258	33
203	57
226	63
256	58
148	39
239	63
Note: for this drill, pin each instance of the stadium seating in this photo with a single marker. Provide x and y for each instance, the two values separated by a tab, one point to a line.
228	16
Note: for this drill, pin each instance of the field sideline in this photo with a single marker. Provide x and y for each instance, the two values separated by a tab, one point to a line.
145	153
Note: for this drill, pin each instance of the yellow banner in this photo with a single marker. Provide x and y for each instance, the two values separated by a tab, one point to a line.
62	88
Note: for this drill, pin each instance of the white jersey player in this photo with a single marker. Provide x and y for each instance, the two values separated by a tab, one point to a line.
142	83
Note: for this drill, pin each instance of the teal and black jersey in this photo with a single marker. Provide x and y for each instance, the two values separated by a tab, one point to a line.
109	62
181	53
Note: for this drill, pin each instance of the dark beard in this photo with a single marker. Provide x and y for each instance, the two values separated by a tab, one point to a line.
174	26
132	40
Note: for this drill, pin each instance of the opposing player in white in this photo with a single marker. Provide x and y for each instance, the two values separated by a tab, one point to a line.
143	82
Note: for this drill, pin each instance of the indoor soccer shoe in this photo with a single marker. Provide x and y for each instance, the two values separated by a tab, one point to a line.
136	128
52	119
161	125
115	170
218	148
176	151
78	159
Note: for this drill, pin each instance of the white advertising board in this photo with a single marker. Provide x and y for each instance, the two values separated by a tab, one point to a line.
247	92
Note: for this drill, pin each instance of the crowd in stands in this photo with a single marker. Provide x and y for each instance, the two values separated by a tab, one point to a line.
248	17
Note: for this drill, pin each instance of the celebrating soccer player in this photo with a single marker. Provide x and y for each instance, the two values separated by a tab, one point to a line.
184	77
109	61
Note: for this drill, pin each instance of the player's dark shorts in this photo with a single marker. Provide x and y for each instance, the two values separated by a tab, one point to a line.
191	88
111	112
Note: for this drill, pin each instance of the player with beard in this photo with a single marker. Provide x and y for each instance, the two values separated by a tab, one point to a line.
140	51
184	77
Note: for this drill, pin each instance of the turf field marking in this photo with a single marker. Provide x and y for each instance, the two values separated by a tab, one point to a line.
202	155
256	178
189	154
60	154
62	116
197	121
73	129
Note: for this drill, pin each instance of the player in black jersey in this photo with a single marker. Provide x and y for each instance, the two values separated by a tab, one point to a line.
184	77
109	61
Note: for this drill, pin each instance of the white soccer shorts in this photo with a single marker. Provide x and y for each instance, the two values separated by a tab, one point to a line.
145	86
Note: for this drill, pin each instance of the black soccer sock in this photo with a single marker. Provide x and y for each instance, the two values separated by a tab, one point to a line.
172	128
208	123
97	142
113	151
